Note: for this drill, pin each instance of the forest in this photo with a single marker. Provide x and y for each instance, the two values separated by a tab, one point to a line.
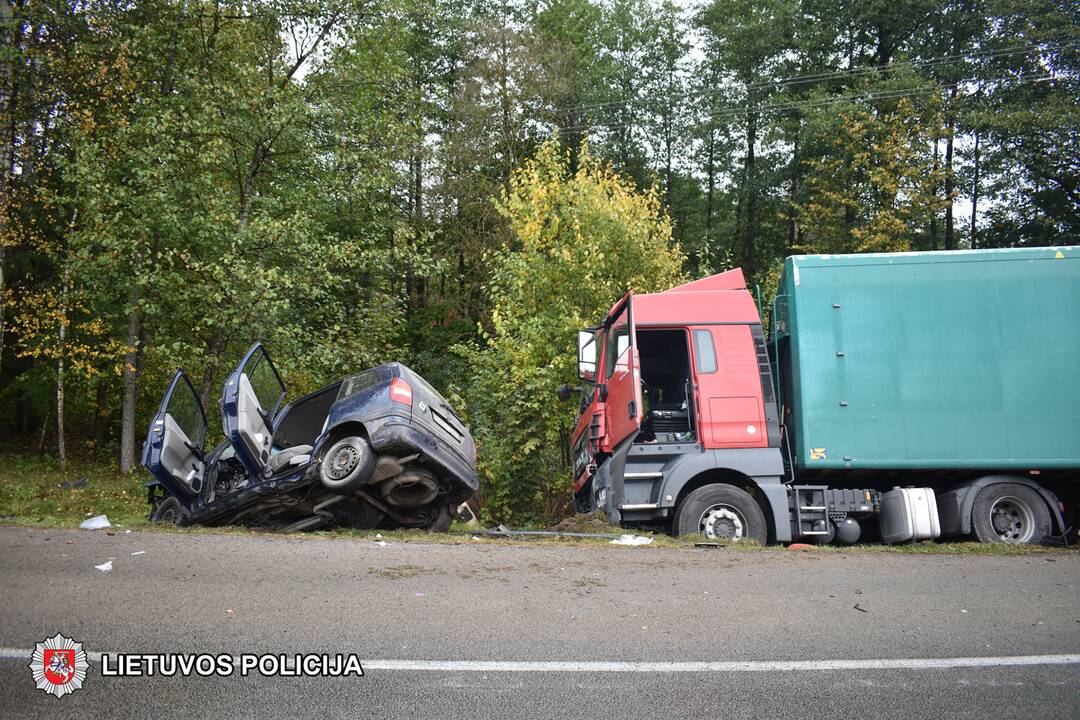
463	184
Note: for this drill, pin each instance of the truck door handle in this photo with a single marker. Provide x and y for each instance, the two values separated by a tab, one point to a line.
632	407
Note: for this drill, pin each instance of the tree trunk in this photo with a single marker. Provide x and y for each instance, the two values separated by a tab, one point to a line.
7	154
750	250
101	410
710	196
213	359
793	196
61	450
975	195
130	374
950	181
44	431
933	210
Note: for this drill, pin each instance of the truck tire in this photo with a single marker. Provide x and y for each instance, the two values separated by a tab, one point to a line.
1010	513
169	512
721	512
347	465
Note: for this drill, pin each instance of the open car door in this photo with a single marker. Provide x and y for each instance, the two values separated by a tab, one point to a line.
252	397
623	375
173	452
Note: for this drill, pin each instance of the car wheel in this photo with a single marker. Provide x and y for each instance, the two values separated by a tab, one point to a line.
359	515
721	512
347	465
1010	513
442	520
170	512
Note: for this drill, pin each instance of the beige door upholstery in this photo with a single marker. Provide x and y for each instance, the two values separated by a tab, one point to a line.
177	457
250	424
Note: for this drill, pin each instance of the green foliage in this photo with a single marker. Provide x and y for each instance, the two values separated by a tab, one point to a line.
337	178
581	239
872	189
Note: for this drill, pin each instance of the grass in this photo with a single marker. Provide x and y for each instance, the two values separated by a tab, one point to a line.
34	492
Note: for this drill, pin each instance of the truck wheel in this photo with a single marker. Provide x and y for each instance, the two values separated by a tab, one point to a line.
1009	513
721	512
347	465
170	512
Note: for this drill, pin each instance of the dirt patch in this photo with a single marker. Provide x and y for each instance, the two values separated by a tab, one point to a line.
402	572
594	522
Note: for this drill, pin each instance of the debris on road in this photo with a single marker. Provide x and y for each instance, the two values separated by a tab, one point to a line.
631	540
97	522
105	566
503	531
860	608
138	552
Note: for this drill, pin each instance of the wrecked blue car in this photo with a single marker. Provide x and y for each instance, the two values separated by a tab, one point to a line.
378	449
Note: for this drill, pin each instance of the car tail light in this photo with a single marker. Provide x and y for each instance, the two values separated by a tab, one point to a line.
401	391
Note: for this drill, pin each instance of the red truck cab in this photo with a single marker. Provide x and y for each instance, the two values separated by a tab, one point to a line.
678	415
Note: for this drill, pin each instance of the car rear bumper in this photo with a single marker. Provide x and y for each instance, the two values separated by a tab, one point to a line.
399	435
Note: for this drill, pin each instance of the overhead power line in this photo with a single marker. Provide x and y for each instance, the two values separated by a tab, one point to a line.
847	74
766	108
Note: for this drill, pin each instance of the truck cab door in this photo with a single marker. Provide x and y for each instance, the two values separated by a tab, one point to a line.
622	374
251	399
173	452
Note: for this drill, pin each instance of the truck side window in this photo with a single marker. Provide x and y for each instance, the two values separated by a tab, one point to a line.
704	352
617	345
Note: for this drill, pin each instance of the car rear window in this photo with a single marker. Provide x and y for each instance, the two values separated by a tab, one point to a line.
360	381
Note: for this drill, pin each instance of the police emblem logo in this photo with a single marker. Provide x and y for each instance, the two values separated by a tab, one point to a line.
59	665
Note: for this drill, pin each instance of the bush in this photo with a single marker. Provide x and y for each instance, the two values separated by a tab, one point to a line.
580	240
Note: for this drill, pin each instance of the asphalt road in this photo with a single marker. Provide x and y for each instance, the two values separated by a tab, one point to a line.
413	604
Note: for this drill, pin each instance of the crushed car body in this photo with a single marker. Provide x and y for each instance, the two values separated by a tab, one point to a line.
378	449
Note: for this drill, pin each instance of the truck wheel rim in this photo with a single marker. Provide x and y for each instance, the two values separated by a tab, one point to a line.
1012	520
722	522
343	462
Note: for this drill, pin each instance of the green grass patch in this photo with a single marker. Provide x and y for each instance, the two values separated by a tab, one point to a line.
34	491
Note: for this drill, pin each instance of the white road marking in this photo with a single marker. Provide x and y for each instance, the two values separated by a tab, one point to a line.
723	666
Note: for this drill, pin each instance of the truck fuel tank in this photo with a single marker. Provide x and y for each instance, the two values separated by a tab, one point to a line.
909	514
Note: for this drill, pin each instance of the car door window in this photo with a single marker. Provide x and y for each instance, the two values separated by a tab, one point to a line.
266	383
186	411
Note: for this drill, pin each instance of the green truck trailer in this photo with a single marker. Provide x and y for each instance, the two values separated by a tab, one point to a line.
957	371
903	396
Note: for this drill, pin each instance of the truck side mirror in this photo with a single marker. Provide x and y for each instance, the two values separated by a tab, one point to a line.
586	355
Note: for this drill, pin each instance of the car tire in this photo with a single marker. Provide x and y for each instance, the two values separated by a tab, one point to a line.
357	514
347	465
170	512
721	512
442	520
1010	513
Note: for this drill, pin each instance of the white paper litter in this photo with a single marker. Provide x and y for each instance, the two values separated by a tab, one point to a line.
105	567
381	543
138	552
95	523
632	540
